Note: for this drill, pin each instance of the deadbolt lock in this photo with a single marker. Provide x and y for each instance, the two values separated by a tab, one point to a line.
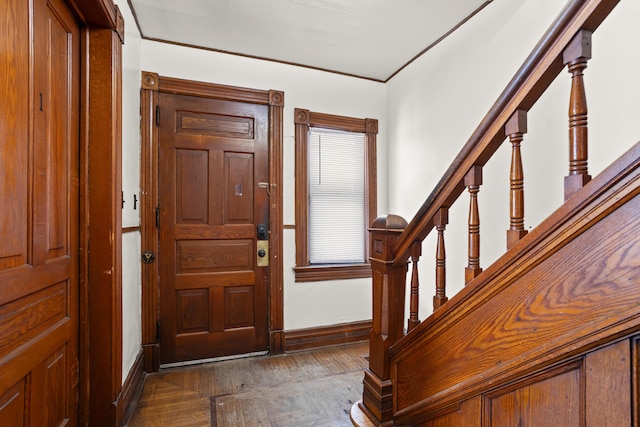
263	253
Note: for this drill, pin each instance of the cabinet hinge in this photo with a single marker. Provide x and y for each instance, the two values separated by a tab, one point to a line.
157	115
158	217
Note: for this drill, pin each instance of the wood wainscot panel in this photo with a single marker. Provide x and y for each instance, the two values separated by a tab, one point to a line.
552	398
467	414
608	379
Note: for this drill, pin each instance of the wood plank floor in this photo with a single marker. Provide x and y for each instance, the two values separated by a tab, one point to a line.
314	388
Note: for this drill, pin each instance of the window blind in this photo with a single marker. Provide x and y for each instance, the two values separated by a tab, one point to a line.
336	167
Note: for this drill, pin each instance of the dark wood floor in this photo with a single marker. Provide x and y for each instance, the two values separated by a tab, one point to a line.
314	388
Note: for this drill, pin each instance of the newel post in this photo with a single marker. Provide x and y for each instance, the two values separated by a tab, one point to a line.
389	284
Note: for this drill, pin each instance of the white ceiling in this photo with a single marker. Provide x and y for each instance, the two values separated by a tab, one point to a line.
372	39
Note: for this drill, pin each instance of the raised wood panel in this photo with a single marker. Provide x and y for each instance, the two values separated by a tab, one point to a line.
14	132
466	414
53	129
241	342
193	310
608	379
210	256
25	318
215	231
192	186
215	125
551	400
56	385
222	144
238	185
223	278
59	120
12	404
239	306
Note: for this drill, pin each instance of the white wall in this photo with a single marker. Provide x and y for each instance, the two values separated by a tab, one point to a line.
435	104
131	268
305	304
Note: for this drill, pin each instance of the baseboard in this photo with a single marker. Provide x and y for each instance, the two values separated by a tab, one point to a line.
151	357
323	336
130	391
276	342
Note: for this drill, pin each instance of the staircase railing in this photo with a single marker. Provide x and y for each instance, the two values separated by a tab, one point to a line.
394	243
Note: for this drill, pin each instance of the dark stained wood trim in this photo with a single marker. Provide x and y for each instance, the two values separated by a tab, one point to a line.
304	120
96	13
323	336
130	229
125	403
276	253
105	230
83	295
100	121
148	231
152	84
635	377
312	273
212	90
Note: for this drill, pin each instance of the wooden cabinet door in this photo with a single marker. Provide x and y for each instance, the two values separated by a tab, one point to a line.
39	151
213	293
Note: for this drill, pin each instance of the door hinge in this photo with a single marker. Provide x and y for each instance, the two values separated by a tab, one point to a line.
158	217
158	331
157	115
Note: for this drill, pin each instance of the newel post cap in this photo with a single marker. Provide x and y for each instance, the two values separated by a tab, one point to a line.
389	222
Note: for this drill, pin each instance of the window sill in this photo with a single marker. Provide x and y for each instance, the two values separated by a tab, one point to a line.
316	273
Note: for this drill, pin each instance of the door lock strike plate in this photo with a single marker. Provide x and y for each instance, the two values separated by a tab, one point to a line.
262	250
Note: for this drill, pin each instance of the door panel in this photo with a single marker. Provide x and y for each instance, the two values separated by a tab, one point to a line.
39	93
212	156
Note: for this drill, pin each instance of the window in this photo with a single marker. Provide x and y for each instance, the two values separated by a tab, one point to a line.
335	195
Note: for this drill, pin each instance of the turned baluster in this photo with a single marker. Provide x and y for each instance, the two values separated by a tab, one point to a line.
575	56
414	301
515	128
440	221
473	181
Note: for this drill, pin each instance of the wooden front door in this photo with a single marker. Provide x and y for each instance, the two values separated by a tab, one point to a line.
213	206
39	225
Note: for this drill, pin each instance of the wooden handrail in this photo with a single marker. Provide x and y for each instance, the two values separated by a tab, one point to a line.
532	79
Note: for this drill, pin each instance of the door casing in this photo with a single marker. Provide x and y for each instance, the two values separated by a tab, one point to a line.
152	84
